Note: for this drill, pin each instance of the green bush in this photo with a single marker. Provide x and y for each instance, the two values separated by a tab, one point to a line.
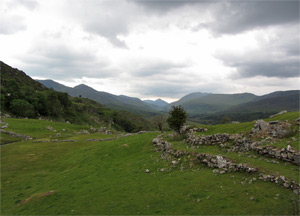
177	118
22	108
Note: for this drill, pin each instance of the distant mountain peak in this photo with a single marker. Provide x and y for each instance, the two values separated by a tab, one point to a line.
158	102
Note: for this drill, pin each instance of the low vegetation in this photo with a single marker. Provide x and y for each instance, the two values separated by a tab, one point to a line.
126	175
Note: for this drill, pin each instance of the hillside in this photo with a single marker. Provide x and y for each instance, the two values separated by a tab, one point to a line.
199	103
276	101
21	96
261	107
121	102
115	174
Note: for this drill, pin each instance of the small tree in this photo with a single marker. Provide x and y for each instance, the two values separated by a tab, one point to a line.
177	118
158	121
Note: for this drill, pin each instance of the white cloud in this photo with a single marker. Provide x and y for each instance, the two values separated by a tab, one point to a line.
136	48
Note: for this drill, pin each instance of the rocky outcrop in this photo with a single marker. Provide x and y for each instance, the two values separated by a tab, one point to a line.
274	129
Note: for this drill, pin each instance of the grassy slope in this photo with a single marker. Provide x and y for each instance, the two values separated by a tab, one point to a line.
109	178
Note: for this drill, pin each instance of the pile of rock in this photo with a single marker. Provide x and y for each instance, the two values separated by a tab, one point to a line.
166	149
244	145
215	139
104	130
223	163
190	129
4	125
282	180
274	129
285	154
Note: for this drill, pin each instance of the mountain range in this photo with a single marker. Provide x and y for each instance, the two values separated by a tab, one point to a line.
119	102
198	104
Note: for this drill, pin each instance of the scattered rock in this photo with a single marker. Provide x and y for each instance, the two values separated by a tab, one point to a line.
215	171
49	128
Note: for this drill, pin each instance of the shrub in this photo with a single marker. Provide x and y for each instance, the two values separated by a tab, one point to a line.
22	108
177	118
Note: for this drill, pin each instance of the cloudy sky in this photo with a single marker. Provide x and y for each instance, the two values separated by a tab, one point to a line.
155	49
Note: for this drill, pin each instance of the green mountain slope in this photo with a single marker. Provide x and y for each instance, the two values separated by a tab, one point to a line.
21	96
273	102
121	102
261	107
199	103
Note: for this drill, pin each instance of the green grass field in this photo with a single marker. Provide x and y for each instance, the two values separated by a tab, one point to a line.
108	177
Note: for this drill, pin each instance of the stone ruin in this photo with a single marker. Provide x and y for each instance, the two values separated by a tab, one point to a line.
211	161
215	139
190	129
281	180
223	163
275	129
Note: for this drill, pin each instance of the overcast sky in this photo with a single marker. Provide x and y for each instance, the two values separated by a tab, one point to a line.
155	49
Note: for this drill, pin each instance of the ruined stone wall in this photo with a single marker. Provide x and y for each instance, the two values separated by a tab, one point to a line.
215	139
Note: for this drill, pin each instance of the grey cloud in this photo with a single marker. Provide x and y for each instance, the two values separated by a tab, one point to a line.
277	56
267	69
61	62
229	17
163	6
238	16
108	19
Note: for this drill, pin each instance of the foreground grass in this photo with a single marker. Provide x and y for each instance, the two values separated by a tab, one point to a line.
94	178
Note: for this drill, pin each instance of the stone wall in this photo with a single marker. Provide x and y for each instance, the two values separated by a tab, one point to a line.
224	163
215	139
13	134
285	154
281	180
211	161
